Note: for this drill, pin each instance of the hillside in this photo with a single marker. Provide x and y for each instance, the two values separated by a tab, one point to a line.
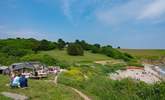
20	49
63	56
39	90
80	73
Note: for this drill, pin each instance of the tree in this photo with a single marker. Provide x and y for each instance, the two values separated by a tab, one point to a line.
60	44
118	47
96	48
85	45
97	45
36	47
44	45
75	49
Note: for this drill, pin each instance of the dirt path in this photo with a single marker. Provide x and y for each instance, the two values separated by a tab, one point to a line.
14	96
55	79
85	97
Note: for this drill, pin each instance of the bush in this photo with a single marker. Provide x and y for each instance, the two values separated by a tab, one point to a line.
46	59
8	60
75	49
63	64
95	49
11	51
61	44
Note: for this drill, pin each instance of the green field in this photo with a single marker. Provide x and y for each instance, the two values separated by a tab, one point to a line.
40	90
63	56
145	52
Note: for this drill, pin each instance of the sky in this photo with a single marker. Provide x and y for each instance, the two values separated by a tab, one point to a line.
125	23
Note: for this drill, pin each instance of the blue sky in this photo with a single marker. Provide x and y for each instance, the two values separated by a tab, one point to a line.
125	23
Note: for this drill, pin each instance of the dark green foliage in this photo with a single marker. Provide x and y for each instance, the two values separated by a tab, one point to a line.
7	60
111	52
75	49
118	47
46	45
11	51
42	58
96	49
63	64
61	44
18	43
97	45
83	44
43	45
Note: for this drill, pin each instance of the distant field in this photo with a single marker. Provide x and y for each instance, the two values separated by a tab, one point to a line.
88	57
145	52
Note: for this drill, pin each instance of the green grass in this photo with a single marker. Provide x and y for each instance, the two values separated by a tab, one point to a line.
4	98
63	56
145	52
40	90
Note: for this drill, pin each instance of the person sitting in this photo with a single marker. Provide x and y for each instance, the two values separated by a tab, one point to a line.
15	82
23	81
12	76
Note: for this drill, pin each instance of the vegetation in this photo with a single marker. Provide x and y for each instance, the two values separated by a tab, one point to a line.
40	90
39	57
78	58
61	44
75	49
63	56
95	82
16	50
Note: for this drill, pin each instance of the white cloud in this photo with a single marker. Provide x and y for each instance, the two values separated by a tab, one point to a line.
66	7
76	10
133	11
153	10
118	14
22	33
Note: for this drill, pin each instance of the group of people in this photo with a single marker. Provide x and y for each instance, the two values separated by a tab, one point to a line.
18	80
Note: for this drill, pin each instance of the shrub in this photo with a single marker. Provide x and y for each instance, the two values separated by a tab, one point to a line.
46	59
11	51
61	44
95	49
8	60
75	49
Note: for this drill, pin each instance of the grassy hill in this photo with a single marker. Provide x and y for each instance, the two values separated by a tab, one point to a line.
63	56
145	52
40	90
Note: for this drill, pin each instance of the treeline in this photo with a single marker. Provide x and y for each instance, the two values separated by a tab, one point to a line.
13	49
21	47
